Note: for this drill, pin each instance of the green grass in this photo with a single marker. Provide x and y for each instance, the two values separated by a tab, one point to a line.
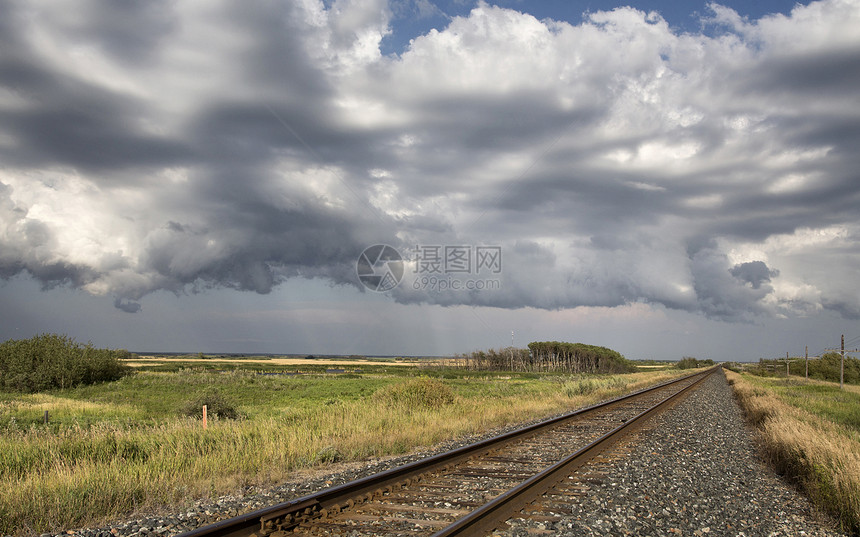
152	397
155	397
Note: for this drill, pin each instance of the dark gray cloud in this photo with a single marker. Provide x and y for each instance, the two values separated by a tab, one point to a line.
754	273
718	293
820	74
128	306
87	138
132	33
615	162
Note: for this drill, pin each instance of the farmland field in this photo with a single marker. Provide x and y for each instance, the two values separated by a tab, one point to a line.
143	361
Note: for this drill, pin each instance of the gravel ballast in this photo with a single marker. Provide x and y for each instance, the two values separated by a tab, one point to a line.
694	471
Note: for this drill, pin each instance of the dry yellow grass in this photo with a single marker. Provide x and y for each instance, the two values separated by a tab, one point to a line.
821	456
153	360
43	401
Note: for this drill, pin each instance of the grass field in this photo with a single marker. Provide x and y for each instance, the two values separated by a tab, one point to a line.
116	448
810	431
823	399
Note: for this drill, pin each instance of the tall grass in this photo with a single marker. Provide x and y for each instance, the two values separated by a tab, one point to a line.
415	394
822	456
86	474
587	385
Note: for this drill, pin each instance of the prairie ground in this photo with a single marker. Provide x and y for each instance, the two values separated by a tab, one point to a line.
113	449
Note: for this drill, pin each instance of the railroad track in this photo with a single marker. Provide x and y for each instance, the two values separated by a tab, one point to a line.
467	491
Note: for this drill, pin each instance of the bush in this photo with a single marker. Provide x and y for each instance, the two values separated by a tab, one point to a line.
51	361
327	455
416	394
217	406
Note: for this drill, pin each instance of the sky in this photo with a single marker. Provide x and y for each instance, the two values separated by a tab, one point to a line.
666	179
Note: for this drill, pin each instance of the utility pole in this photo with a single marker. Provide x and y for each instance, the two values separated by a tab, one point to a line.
786	364
806	350
842	351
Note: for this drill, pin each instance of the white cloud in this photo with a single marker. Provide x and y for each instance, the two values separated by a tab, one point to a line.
617	162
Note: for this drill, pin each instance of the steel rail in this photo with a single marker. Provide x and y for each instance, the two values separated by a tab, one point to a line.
267	520
493	514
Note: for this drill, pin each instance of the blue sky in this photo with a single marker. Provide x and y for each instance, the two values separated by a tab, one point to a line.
665	179
412	19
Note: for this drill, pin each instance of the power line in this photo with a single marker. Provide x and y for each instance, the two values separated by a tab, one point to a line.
853	341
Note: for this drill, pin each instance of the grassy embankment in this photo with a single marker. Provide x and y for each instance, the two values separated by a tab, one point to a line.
116	448
810	432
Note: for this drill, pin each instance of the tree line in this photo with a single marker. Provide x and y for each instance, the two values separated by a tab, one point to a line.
51	361
689	362
550	356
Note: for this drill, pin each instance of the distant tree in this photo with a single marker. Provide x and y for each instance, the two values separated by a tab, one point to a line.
550	356
688	362
827	367
578	358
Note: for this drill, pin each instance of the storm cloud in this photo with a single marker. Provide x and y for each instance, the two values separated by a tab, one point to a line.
615	161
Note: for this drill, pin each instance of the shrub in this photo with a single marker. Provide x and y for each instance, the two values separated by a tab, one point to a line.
217	405
326	455
416	394
50	361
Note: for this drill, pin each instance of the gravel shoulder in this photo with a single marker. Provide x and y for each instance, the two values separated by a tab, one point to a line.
693	471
